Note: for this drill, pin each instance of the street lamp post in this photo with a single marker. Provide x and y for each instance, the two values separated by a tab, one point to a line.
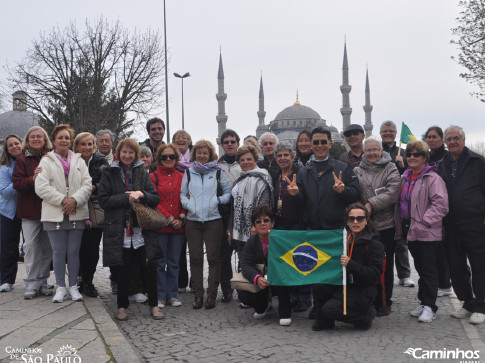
182	78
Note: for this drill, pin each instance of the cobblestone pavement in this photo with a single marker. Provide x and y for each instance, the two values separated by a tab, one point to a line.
229	333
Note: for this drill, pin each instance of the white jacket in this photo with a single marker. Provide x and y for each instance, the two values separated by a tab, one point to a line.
50	186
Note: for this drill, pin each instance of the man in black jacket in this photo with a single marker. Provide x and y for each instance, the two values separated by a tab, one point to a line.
464	174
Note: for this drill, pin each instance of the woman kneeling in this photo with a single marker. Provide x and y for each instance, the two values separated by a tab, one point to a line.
256	252
363	262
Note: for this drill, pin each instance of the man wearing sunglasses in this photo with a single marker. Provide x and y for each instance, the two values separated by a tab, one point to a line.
227	162
463	172
268	142
354	137
325	186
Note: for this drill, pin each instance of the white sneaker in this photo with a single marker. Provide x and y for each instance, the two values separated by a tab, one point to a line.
161	303
417	311
60	295
406	282
263	314
462	313
477	318
139	298
285	322
75	295
6	287
427	316
444	292
174	302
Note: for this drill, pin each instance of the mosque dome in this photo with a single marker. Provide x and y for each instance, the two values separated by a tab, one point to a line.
19	120
297	112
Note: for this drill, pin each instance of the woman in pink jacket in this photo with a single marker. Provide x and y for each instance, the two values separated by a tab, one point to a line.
422	205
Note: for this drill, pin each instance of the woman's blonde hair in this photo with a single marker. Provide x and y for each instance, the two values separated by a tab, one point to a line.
47	143
81	137
420	146
201	144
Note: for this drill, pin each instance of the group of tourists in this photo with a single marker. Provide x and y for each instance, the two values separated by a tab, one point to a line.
61	195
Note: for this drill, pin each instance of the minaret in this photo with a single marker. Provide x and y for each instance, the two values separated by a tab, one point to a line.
345	88
368	107
221	101
261	112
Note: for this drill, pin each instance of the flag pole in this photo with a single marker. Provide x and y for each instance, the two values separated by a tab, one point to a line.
344	270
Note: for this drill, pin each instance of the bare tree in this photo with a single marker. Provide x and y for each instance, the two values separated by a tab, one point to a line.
470	39
478	147
91	78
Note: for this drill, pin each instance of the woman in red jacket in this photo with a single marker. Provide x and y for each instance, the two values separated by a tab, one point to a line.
167	181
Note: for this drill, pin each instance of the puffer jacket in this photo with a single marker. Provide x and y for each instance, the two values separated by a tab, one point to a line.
429	205
115	202
50	186
383	177
29	204
8	195
202	205
97	164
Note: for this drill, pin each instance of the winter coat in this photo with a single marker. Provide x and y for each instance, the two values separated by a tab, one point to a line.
8	195
393	150
365	266
233	170
273	167
202	206
50	186
380	186
115	202
29	204
438	155
428	206
97	164
467	198
322	207
252	255
167	183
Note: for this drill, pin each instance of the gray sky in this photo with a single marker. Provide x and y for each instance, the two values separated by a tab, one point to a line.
297	45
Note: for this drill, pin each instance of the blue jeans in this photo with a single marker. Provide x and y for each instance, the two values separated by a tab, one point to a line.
168	267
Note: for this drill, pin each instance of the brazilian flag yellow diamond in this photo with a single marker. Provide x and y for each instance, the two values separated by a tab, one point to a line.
305	258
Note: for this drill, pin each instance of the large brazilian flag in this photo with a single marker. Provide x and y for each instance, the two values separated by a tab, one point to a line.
305	257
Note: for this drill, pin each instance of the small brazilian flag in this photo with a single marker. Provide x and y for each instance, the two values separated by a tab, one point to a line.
305	257
406	134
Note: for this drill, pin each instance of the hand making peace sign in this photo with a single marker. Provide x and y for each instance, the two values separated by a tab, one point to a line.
292	187
339	186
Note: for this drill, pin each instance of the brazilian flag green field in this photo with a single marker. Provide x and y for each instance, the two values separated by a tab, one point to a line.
305	257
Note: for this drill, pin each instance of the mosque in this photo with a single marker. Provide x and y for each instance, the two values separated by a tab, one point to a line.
293	119
19	120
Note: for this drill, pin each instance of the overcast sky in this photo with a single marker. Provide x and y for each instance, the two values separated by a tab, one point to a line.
296	45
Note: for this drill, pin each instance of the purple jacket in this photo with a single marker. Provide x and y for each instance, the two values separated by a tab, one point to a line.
429	205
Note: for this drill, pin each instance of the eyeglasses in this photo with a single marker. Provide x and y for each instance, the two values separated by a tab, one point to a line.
388	131
352	133
259	221
266	143
232	142
323	142
352	219
416	155
169	156
454	138
368	151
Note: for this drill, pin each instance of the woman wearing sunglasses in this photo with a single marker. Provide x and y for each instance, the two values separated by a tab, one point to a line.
422	205
256	252
363	262
379	182
167	181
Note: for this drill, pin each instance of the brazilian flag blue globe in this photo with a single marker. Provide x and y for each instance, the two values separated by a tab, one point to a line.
305	257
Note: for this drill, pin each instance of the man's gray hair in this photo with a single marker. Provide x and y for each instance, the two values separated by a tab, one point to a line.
282	146
454	127
372	139
145	150
261	138
103	132
388	123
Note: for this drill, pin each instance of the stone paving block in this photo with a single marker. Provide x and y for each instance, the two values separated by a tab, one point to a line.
21	338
